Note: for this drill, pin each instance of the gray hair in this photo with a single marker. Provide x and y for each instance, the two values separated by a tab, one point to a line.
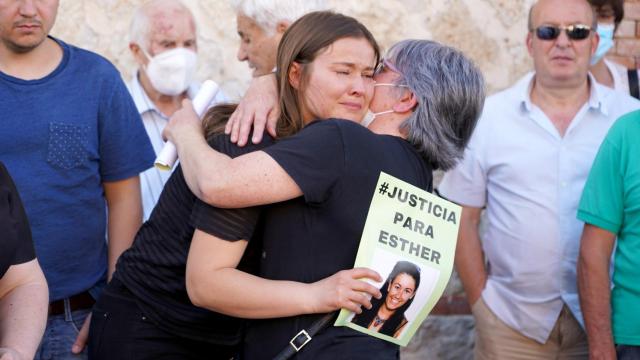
268	13
450	92
594	17
140	28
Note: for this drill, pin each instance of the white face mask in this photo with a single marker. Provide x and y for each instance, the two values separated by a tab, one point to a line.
172	71
381	113
371	115
606	32
368	118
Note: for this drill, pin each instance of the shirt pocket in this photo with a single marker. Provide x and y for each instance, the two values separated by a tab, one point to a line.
67	145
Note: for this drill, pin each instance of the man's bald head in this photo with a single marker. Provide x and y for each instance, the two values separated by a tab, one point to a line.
561	61
157	15
534	22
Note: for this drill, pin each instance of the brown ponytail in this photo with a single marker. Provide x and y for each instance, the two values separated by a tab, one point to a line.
216	118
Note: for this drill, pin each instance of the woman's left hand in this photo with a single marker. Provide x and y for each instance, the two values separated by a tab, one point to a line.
345	289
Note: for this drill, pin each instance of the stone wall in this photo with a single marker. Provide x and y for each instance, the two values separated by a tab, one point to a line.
627	49
492	32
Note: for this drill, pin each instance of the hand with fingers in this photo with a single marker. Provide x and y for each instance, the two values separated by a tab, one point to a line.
258	109
346	289
10	354
185	120
81	340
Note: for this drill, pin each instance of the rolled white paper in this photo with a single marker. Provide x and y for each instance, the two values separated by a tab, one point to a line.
168	156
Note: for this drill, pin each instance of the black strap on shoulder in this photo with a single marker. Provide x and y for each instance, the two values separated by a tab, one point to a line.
633	83
304	336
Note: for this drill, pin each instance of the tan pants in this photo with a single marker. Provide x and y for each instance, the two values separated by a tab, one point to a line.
495	340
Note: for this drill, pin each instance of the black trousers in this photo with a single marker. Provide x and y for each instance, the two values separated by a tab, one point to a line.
120	330
628	352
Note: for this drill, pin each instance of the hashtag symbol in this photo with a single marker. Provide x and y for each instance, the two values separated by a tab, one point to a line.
383	188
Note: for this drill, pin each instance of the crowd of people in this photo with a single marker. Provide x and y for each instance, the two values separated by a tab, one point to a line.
246	249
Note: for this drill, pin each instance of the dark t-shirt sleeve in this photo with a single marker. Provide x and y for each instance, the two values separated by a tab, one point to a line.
228	224
314	158
125	148
16	243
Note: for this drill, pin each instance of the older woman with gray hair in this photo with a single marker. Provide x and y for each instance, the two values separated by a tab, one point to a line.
448	91
427	100
441	130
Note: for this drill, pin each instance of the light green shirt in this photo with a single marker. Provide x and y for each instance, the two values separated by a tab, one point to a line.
611	201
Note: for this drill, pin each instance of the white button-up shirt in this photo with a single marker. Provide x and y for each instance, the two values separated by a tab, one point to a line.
530	179
152	180
620	76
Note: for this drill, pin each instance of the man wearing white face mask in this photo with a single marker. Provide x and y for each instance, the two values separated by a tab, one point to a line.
164	44
610	13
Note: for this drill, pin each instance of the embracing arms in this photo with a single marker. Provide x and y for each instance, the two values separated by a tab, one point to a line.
258	109
24	297
248	180
213	282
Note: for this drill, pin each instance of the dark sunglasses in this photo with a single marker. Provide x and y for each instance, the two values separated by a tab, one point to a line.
574	32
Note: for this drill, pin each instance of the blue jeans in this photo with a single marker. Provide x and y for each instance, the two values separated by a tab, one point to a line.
628	352
60	334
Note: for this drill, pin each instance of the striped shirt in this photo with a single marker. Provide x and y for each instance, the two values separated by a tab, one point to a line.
153	269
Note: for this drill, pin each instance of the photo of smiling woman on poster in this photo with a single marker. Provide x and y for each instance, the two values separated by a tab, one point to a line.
386	316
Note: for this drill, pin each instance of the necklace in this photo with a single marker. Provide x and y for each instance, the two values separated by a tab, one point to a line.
377	321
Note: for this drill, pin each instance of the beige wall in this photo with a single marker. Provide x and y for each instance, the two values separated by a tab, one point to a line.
490	31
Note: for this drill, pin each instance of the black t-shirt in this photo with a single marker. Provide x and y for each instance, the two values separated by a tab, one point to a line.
16	245
153	269
336	164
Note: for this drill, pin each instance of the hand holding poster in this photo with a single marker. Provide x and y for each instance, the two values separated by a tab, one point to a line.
409	238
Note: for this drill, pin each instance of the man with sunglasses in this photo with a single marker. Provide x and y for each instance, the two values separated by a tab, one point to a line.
526	164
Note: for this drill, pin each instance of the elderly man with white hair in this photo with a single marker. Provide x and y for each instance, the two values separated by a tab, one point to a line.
164	45
261	24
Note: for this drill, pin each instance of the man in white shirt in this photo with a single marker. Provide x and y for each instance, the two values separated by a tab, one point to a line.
164	44
527	163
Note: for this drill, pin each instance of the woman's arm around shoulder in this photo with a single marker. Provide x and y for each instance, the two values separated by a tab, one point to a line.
213	282
24	297
248	180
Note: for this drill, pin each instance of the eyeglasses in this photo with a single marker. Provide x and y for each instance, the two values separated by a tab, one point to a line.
384	63
574	32
390	84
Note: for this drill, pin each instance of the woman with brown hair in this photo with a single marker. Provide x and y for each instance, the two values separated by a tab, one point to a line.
146	312
387	314
427	101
